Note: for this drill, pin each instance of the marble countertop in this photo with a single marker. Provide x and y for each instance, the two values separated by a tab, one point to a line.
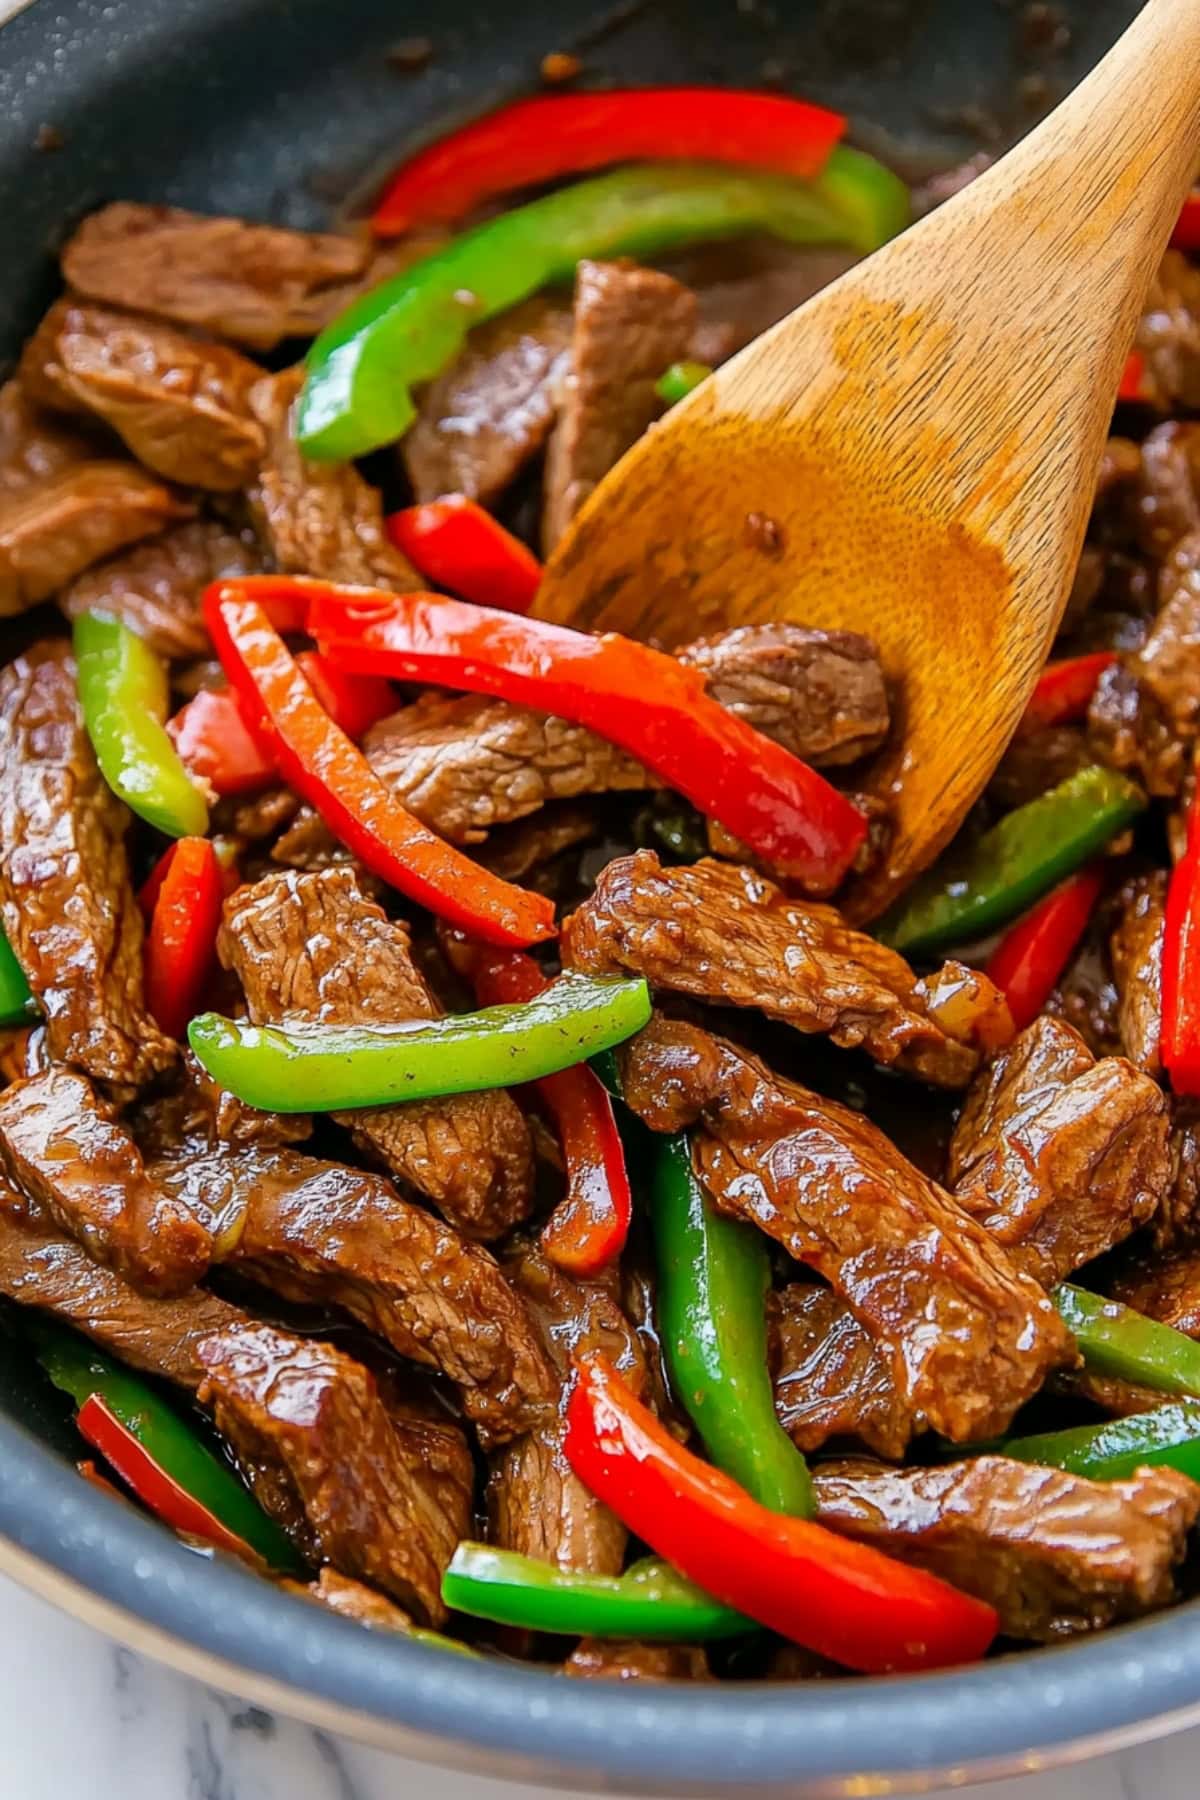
81	1715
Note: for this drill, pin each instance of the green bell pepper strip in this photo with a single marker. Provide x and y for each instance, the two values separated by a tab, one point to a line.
320	1068
1116	1340
356	395
17	1005
124	695
650	1600
1170	1435
681	379
1013	864
81	1370
713	1277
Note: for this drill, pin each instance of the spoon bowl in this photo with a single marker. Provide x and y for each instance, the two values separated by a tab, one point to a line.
913	453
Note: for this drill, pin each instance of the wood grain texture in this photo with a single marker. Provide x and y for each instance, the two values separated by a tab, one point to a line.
924	438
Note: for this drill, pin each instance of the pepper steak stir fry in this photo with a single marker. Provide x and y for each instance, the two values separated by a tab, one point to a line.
456	1155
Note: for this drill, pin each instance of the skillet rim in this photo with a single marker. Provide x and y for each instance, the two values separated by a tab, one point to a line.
125	1574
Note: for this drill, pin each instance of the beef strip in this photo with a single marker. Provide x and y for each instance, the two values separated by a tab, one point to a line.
1039	761
194	1115
319	1231
63	1146
352	1599
535	1503
34	444
181	406
54	528
1057	1155
254	284
1086	995
630	325
1145	714
1166	1288
527	851
725	933
1118	1398
832	1378
744	288
467	764
821	694
616	1659
1168	335
1167	504
314	947
66	901
157	587
1178	1220
41	1268
326	1460
1136	950
1055	1554
315	518
490	413
970	1337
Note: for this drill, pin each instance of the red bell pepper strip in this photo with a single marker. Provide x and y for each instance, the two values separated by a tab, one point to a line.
839	1598
1133	377
1033	953
1064	691
541	139
217	745
456	544
634	696
317	759
102	1429
587	1229
1181	965
1186	235
181	944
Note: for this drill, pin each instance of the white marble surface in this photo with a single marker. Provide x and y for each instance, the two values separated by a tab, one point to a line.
81	1716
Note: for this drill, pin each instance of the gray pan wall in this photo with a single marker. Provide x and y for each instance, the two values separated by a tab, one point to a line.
281	110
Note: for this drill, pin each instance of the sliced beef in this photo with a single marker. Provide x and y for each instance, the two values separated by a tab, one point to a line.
630	325
317	518
39	1267
1055	1554
1167	504
64	1147
320	1232
1118	1398
523	852
54	528
467	764
535	1503
1136	948
66	901
1178	1220
193	1115
744	288
1057	1155
157	587
1166	1288
1086	995
180	405
614	1659
254	284
1145	715
1039	761
832	1378
314	947
490	413
352	1599
820	694
326	1460
725	933
970	1337
1169	333
33	443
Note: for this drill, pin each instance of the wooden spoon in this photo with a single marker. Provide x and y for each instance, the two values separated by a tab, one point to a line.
913	453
